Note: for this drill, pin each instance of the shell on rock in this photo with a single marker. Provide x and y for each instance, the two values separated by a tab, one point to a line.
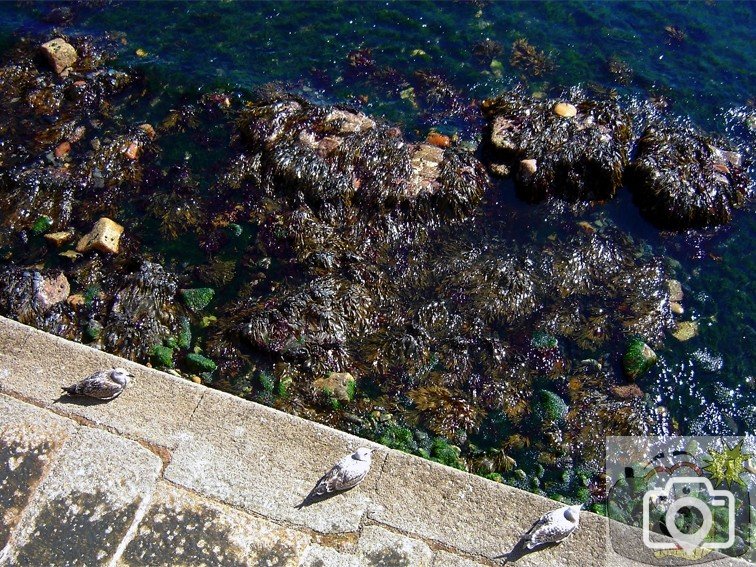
565	109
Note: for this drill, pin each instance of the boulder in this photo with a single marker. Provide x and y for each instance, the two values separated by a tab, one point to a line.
681	178
685	331
557	148
50	290
60	54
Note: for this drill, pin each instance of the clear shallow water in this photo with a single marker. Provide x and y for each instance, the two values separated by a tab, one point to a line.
707	384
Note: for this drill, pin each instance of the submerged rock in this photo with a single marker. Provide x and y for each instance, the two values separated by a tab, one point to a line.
573	151
685	331
339	385
639	357
682	178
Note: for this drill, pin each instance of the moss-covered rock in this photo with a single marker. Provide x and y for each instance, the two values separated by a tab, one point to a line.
93	330
638	358
445	453
184	338
548	406
42	224
200	363
197	299
400	438
338	385
162	356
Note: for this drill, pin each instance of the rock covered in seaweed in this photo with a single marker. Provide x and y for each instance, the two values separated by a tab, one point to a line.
335	157
37	298
575	150
682	178
309	325
144	311
51	155
30	192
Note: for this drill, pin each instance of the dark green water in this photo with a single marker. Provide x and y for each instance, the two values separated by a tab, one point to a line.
707	384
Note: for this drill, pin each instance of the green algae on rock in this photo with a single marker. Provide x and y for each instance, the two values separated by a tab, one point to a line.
162	356
548	406
197	299
200	363
638	358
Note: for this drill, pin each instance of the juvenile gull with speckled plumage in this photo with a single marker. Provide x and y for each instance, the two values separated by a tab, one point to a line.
102	385
553	527
346	474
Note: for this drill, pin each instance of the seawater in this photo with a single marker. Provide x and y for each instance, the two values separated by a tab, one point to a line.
707	384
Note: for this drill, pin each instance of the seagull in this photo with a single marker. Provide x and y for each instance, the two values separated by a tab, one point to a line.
346	474
553	527
103	384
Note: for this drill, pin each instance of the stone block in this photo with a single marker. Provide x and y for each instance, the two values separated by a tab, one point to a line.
13	338
319	556
35	365
445	559
59	238
265	461
472	514
182	528
84	507
60	54
378	547
30	439
104	236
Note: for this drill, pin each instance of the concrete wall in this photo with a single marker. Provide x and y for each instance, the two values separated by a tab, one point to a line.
174	473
